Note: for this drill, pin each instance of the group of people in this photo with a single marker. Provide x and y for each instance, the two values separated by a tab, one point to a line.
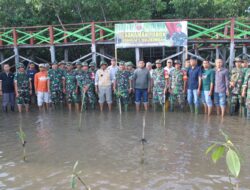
82	84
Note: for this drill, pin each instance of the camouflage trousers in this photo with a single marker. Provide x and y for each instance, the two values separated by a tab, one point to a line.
56	96
179	98
23	98
124	97
248	103
90	96
158	96
72	97
235	99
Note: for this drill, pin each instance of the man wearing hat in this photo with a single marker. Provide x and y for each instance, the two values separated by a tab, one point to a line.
194	85
123	85
31	73
103	83
158	83
246	92
235	84
244	68
70	87
78	68
177	86
86	86
41	87
130	68
23	88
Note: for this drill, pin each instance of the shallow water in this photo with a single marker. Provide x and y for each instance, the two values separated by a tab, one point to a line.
111	155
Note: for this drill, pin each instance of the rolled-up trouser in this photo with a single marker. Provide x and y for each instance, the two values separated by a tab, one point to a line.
8	98
105	94
192	97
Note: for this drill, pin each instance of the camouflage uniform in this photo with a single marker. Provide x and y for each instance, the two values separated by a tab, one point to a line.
131	95
159	82
71	84
122	79
23	86
236	76
176	84
243	99
84	79
246	85
56	76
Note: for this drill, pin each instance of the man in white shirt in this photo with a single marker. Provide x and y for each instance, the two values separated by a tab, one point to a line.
103	82
113	68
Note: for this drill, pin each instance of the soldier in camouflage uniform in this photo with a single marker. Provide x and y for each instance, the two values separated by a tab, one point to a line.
23	88
123	85
244	68
78	68
246	91
158	84
130	67
235	84
55	84
86	85
177	86
70	87
92	67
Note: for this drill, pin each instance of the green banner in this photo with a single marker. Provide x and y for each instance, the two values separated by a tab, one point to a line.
151	34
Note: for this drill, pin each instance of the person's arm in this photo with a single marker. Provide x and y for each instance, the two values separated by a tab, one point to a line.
199	81
35	82
211	83
96	81
30	84
244	86
227	82
16	88
149	81
1	92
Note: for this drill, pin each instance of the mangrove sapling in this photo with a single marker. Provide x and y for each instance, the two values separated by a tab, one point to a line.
76	176
219	149
83	101
22	138
143	140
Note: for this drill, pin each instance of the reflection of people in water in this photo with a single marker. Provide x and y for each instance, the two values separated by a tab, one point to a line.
179	38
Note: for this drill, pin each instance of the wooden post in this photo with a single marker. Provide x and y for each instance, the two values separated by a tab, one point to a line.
232	53
93	45
52	46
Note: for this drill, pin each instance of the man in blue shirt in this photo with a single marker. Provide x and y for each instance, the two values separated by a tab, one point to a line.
194	85
7	88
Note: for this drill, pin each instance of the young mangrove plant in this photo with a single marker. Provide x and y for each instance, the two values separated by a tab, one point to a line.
76	176
22	137
219	149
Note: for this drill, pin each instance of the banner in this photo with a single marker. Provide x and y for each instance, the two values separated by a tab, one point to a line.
151	34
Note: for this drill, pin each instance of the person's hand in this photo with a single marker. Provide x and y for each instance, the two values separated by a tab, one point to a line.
210	93
85	89
64	90
227	92
17	94
30	92
231	84
148	90
243	93
164	91
130	90
96	90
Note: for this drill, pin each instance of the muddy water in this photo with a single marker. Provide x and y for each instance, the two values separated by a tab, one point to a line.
110	154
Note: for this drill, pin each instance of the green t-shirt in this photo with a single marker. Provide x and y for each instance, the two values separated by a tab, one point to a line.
207	79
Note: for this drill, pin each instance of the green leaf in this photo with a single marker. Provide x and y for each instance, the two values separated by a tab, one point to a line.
210	148
233	162
218	153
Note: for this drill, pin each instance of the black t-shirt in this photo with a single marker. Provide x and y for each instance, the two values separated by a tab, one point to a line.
7	82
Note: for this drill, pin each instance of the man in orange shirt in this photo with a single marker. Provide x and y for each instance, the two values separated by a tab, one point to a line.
41	87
